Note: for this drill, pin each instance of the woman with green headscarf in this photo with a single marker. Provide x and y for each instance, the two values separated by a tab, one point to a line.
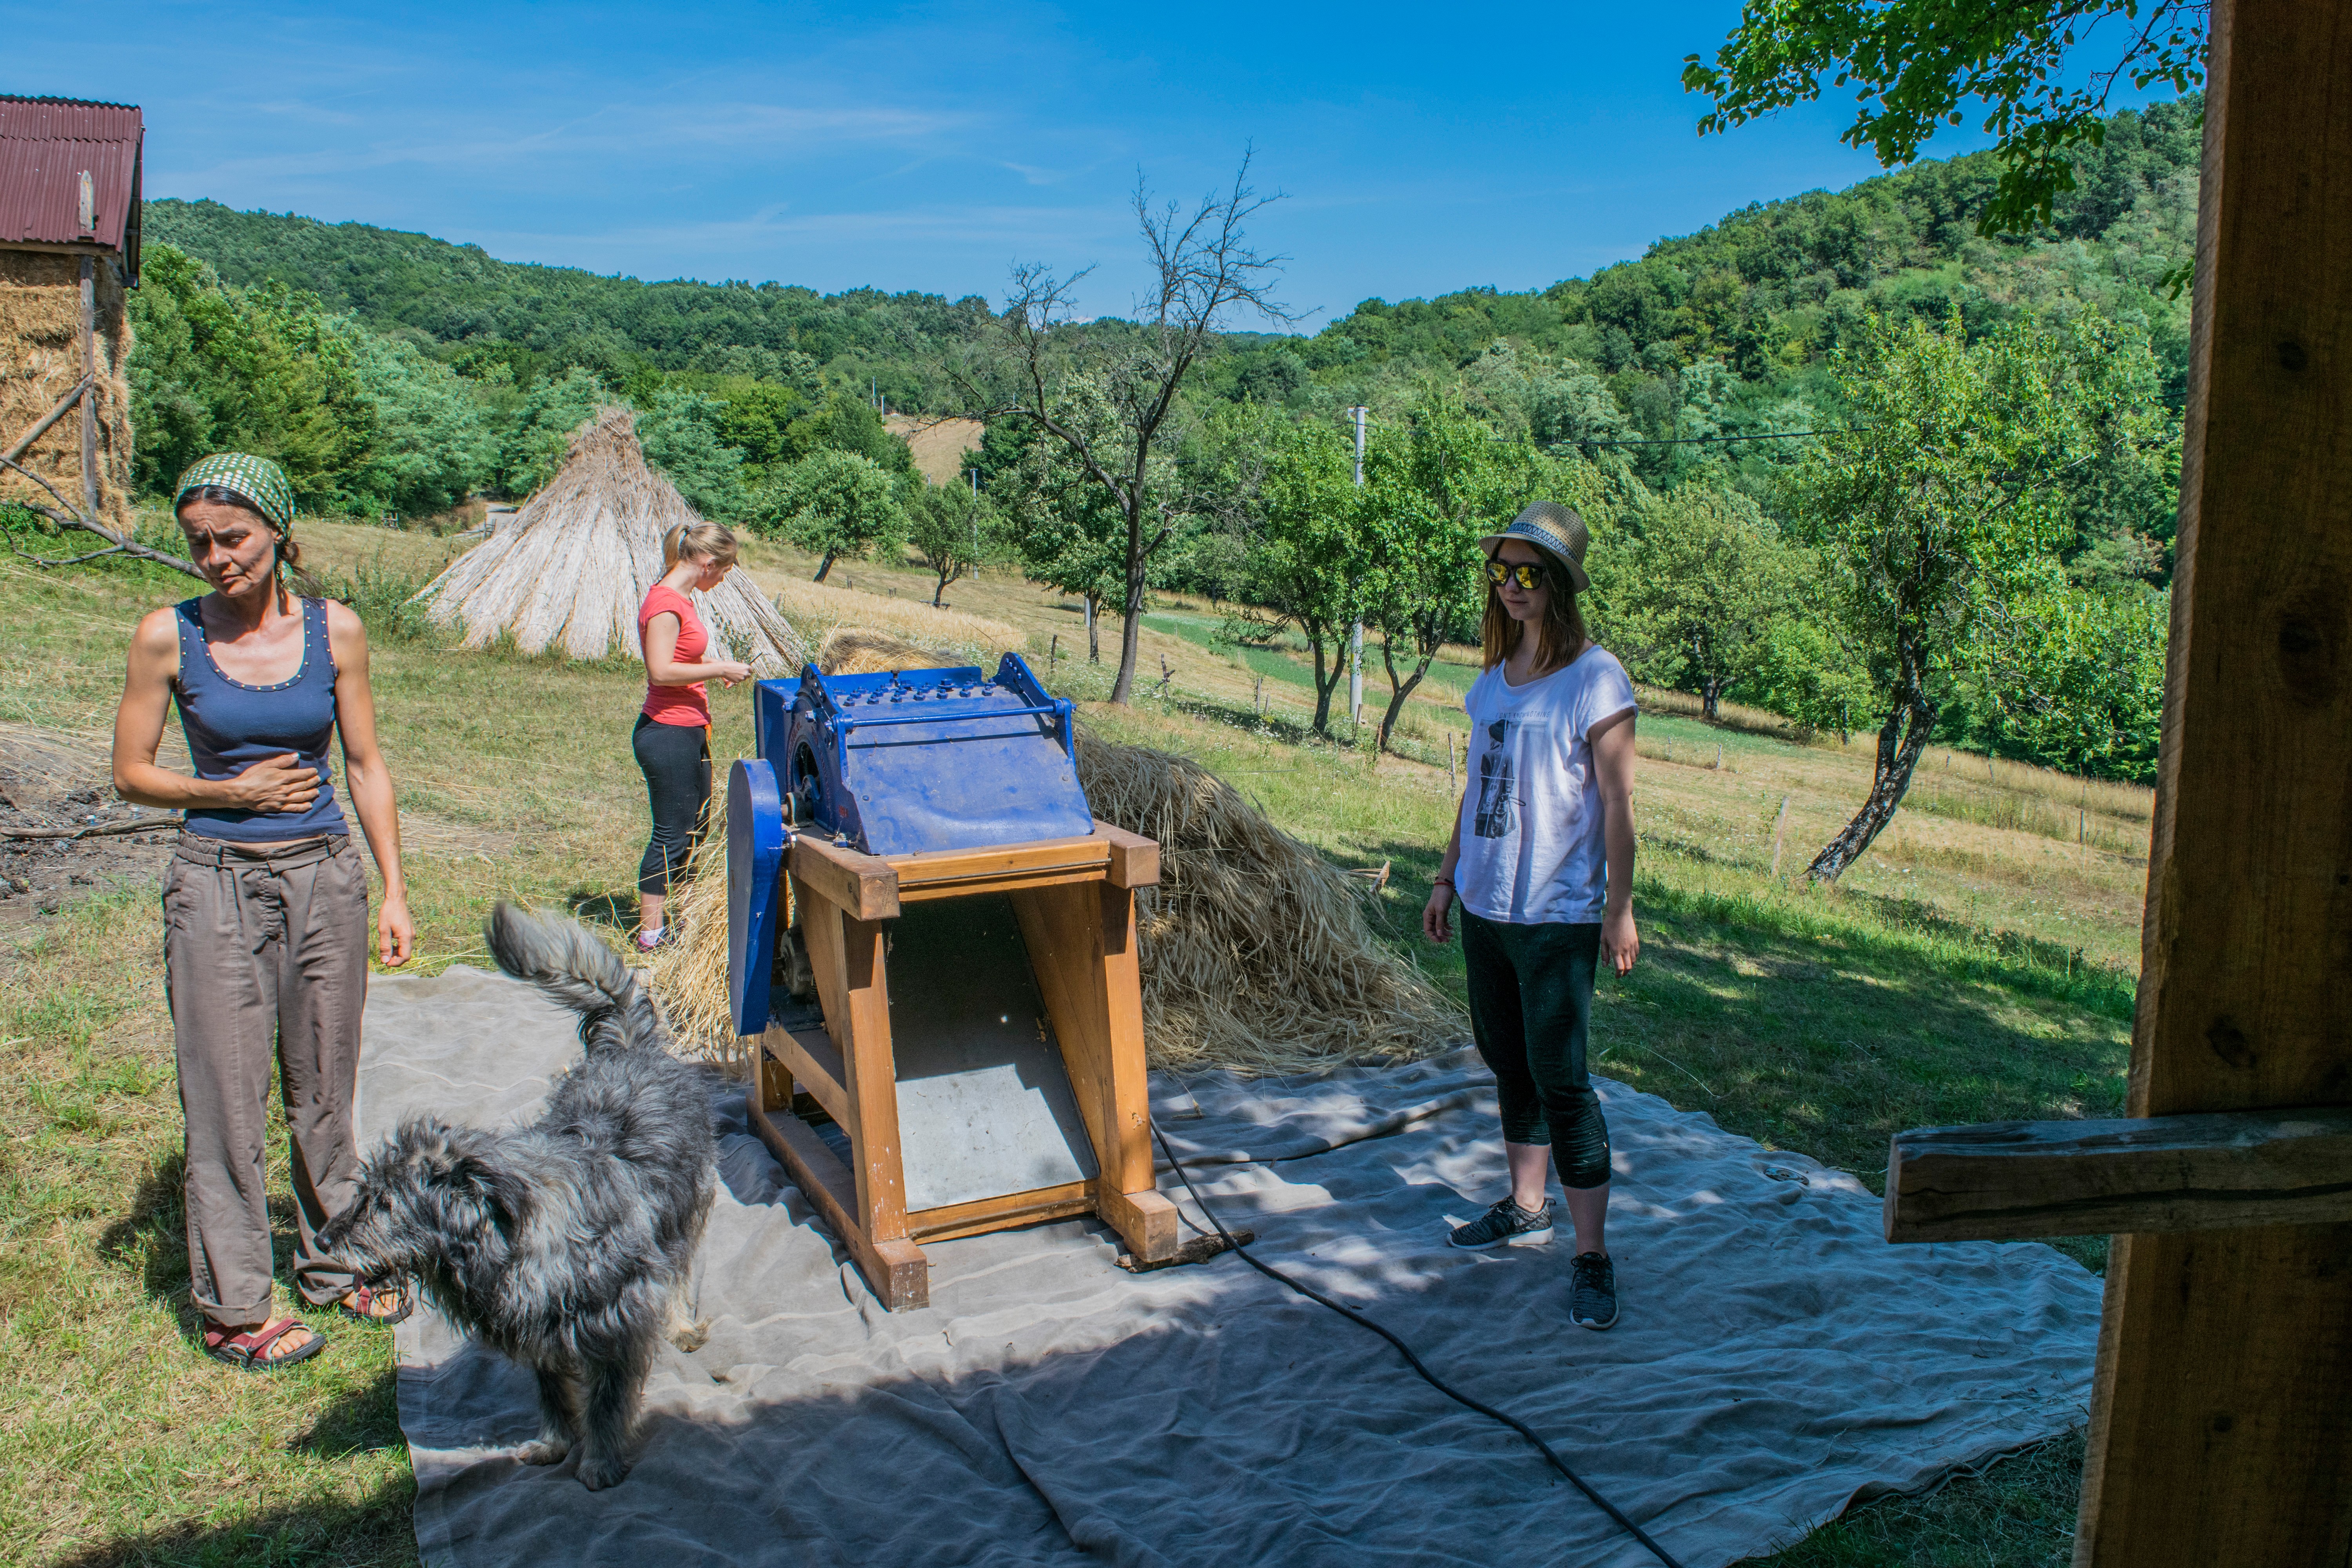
264	901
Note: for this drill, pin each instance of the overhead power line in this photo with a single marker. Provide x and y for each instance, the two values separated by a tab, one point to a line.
1692	440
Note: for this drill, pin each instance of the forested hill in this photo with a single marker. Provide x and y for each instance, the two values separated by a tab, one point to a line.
481	311
1721	332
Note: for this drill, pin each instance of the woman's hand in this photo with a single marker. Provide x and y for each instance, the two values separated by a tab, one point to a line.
731	672
1620	942
395	934
279	784
1436	923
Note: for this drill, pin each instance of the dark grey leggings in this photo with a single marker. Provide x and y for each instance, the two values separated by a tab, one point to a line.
676	759
1530	1002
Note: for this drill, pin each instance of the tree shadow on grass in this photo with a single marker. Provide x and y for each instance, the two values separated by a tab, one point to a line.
152	1233
371	1532
597	908
362	1421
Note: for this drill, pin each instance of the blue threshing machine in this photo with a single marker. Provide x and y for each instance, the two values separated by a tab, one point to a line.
931	948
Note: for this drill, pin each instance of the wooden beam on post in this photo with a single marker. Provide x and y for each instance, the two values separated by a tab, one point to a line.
2014	1179
90	386
2221	1429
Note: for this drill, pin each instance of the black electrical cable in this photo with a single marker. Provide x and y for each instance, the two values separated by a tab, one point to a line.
1431	1378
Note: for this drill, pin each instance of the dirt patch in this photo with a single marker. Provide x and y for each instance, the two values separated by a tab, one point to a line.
53	783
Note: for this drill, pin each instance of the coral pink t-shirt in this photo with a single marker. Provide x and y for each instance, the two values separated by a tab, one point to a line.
687	705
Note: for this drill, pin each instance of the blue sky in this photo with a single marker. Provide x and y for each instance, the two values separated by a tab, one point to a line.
1418	149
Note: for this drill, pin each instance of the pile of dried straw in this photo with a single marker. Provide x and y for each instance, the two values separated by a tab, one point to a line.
1255	951
570	570
40	361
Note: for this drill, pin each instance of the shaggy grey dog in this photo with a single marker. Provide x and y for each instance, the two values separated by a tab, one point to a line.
567	1244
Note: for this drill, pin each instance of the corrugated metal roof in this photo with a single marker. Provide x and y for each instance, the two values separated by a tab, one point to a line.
47	146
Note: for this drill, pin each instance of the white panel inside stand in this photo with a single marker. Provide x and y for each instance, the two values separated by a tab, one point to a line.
985	1107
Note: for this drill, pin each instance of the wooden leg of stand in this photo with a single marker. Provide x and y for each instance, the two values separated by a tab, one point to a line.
1081	941
895	1271
1131	1201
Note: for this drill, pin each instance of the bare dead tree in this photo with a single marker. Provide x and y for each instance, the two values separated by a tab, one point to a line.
65	516
1204	271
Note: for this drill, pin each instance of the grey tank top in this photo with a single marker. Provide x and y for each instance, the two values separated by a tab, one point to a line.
231	726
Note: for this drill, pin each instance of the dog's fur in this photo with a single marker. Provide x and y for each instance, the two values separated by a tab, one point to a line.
567	1244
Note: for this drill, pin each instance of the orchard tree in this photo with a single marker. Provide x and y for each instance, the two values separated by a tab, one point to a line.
2044	70
1694	589
1940	497
835	504
1430	491
956	530
1203	271
1305	556
1068	532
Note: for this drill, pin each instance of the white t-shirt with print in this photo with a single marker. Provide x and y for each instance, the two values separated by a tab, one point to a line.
1531	844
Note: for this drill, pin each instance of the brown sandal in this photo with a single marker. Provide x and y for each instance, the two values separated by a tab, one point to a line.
367	1298
249	1351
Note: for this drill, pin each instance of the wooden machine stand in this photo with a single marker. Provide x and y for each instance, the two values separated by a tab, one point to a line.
1075	899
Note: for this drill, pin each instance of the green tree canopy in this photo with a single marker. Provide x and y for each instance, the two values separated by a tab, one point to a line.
1913	64
1940	498
1696	585
1431	490
835	505
955	530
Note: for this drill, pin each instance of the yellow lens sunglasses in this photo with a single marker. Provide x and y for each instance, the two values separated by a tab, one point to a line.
1527	573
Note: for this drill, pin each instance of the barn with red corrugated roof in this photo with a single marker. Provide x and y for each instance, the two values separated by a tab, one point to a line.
69	256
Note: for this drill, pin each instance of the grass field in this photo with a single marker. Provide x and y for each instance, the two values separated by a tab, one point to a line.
1976	965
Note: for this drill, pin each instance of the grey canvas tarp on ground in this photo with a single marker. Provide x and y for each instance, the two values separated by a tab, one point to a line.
1775	1359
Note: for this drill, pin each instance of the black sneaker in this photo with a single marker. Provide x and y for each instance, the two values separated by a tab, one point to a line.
1592	1294
1506	1225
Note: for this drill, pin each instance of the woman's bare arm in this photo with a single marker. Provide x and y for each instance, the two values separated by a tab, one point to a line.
1612	762
1434	922
374	799
662	665
274	784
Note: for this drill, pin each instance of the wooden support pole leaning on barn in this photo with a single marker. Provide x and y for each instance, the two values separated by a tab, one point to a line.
2221	1429
89	380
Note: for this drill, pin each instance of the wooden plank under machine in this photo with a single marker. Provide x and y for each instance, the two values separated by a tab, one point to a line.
932	942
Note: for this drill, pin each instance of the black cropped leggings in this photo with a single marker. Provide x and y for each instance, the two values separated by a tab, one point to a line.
1530	1002
676	759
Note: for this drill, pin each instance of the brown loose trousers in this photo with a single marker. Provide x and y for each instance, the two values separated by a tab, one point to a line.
265	949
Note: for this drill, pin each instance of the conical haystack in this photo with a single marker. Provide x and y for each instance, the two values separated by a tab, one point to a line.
571	569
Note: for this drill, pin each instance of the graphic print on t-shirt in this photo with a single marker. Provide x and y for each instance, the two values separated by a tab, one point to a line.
1494	817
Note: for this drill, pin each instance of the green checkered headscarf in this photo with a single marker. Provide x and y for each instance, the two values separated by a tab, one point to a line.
257	479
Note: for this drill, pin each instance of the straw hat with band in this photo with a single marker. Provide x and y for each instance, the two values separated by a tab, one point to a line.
1554	530
257	479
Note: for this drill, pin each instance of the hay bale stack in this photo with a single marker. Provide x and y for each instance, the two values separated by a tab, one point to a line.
1255	951
40	361
571	569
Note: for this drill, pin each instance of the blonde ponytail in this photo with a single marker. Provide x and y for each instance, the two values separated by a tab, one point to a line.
712	541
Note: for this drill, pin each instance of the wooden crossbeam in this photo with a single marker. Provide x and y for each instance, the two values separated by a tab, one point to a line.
2141	1174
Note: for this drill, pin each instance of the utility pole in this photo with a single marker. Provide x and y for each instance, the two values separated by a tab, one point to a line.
1355	634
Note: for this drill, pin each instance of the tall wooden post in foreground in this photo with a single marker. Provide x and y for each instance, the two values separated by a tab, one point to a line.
2222	1416
2222	1425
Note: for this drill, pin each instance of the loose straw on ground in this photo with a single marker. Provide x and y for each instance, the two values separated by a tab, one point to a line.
1255	951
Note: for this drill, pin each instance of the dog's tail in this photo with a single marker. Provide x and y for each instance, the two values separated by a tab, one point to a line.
564	958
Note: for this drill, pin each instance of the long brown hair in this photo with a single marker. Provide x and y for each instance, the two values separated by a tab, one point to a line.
1560	635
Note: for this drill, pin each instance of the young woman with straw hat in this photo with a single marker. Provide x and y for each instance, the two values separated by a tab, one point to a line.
265	901
1541	862
672	735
